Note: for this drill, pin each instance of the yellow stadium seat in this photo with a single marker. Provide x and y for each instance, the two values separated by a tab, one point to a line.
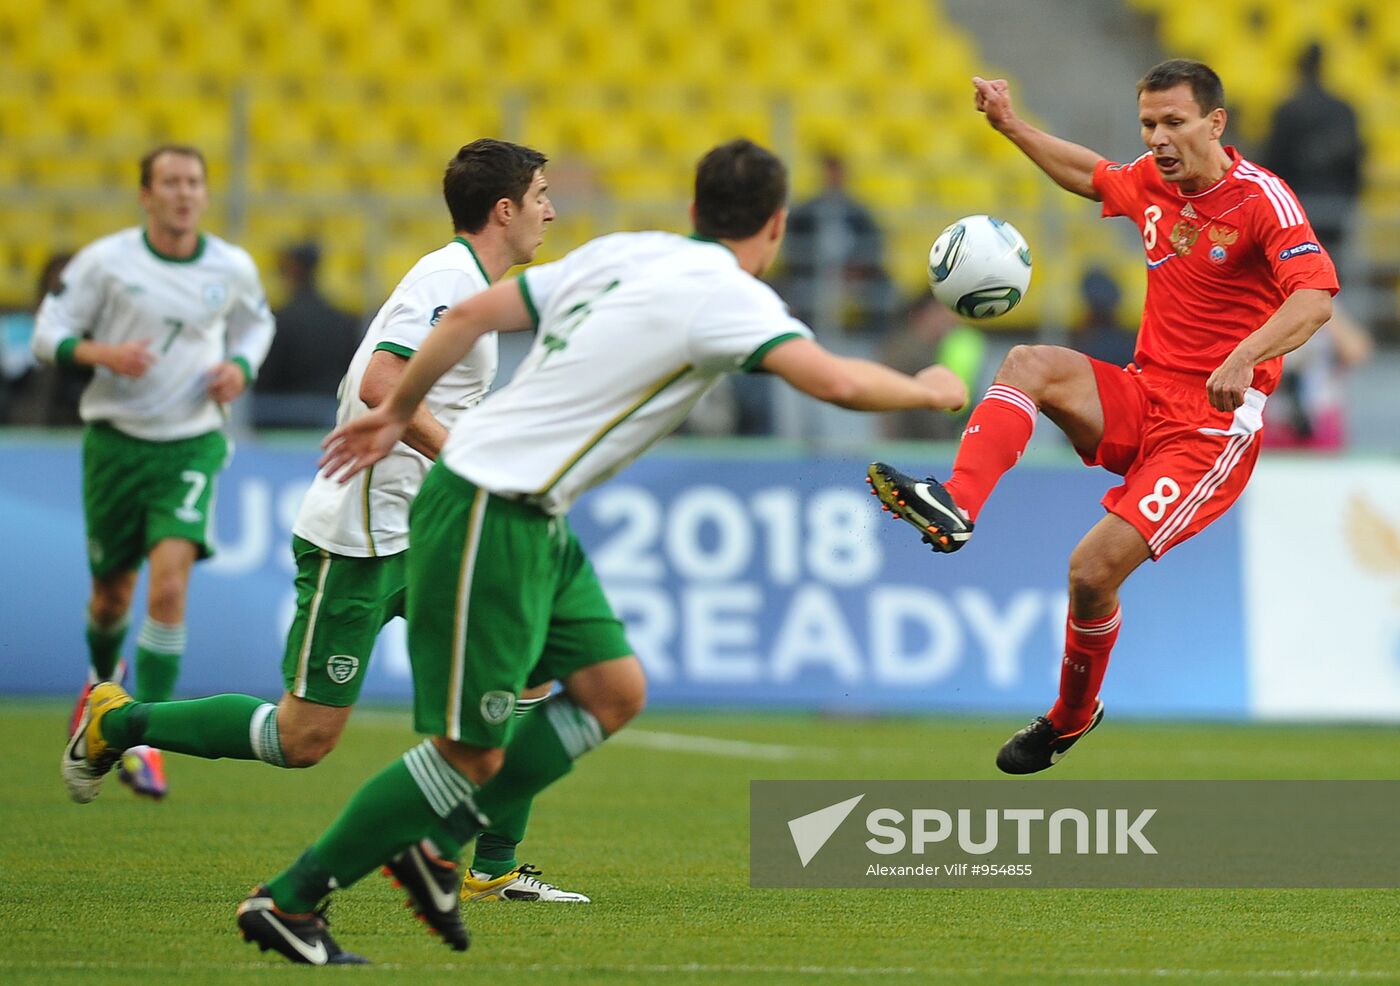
345	96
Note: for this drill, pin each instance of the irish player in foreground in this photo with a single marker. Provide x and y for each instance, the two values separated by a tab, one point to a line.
1235	279
631	330
176	325
349	540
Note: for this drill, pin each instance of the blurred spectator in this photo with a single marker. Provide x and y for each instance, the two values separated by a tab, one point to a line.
1099	333
834	275
931	333
315	342
1308	409
33	393
1315	145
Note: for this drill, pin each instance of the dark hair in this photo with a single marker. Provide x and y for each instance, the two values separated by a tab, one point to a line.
1310	61
484	172
738	187
1205	85
148	162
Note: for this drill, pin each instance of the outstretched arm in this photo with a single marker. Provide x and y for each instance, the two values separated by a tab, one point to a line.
861	384
359	444
1070	165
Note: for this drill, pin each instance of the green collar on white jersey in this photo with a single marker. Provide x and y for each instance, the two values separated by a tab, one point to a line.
198	250
466	243
710	239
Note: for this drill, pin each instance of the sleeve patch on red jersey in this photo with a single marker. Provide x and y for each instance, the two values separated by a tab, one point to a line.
1299	250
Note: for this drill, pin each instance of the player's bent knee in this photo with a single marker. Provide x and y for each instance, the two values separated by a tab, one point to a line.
111	598
618	708
614	717
631	704
1092	580
107	609
304	750
166	596
307	747
478	764
308	731
613	692
1024	368
1035	370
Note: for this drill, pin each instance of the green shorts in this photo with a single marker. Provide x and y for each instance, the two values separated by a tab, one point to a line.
342	604
138	492
500	596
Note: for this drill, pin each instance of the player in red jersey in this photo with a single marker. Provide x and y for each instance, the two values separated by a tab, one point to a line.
1235	279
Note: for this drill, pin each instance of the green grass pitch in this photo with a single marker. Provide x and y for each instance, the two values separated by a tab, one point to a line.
654	827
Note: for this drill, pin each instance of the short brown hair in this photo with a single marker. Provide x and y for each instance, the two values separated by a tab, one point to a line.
738	187
1206	86
183	150
482	173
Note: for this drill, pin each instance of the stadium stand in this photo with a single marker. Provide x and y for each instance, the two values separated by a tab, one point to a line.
331	118
316	111
1254	44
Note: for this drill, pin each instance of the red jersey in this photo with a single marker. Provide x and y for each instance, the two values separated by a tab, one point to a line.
1219	262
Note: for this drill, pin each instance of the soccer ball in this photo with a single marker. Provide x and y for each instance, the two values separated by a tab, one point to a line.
980	267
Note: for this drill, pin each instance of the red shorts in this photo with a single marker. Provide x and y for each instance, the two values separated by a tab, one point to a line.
1183	463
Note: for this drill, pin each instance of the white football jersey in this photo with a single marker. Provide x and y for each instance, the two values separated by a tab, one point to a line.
632	330
368	516
196	313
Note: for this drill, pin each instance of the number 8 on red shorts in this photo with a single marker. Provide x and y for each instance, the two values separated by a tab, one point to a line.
1183	462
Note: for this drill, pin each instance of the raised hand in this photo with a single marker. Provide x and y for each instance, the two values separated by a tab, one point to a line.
994	99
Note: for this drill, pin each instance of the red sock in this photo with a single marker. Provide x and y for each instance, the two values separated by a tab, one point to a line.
1088	644
993	440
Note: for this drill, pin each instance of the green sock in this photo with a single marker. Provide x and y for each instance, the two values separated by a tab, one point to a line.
103	645
544	749
214	727
300	887
417	796
421	796
158	650
495	848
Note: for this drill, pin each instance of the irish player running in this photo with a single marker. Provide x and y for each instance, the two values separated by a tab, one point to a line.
631	330
175	323
349	539
1235	279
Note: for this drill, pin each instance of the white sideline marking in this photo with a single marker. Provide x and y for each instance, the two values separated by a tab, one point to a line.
715	746
966	972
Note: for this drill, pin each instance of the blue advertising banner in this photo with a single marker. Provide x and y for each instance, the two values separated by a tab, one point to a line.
746	578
